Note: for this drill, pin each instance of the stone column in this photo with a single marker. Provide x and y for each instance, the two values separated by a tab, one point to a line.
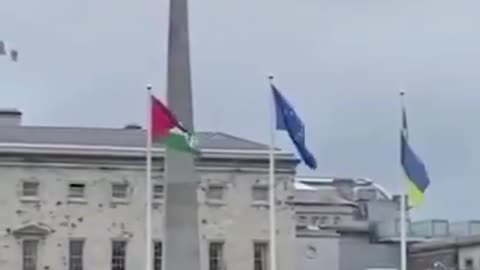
181	217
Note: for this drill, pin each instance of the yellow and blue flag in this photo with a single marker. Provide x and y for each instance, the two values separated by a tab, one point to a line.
413	167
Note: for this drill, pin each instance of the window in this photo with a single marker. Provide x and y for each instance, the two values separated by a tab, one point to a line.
302	221
260	194
260	256
336	220
119	250
215	192
215	255
119	191
30	189
157	255
75	255
323	220
76	191
30	254
468	263
158	192
315	221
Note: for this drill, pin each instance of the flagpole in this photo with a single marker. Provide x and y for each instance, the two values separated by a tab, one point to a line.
273	226
403	214
148	184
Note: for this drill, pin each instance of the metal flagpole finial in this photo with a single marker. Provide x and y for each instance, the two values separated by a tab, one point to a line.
402	97
271	77
149	87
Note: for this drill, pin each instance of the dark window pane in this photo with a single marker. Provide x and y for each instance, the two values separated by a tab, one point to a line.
119	255
157	256
76	255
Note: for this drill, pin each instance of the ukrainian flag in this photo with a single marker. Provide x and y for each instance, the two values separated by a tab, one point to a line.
415	171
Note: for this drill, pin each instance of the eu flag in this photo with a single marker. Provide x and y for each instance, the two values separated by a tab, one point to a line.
288	120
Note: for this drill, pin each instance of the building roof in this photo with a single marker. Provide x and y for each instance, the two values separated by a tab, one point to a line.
321	197
313	190
445	243
9	111
120	137
320	182
328	181
301	186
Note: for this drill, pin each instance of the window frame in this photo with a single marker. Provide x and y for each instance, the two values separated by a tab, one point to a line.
301	221
267	194
337	220
82	199
120	200
30	198
161	195
35	256
314	221
155	258
470	261
211	199
81	256
113	256
219	259
265	256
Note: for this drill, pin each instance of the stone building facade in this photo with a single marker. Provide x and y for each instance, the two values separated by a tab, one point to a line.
446	246
74	198
345	224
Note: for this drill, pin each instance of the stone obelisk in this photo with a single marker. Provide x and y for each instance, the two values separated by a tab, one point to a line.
181	209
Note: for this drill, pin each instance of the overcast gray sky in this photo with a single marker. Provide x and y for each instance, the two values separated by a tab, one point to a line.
340	62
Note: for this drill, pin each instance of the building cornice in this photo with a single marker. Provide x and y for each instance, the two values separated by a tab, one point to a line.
445	243
100	166
351	205
354	227
322	233
122	151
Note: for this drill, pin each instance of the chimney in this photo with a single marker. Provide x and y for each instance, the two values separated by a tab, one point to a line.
10	117
133	126
345	188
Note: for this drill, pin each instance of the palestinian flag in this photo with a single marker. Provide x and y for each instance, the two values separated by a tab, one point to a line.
167	130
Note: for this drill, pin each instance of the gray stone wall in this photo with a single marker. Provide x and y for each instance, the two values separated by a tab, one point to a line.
344	252
469	253
357	252
98	220
317	253
425	260
240	222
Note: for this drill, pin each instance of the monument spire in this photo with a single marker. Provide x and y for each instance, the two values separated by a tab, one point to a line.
181	209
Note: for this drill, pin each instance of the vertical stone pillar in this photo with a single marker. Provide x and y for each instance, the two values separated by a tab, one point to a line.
181	217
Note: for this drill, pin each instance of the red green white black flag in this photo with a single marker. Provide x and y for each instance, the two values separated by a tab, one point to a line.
167	130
